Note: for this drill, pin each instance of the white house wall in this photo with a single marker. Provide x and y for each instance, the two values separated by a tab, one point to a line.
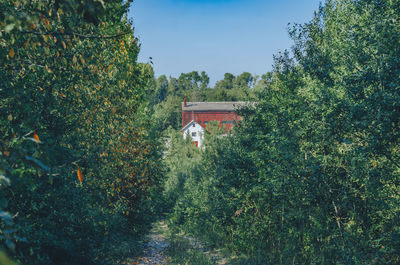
196	128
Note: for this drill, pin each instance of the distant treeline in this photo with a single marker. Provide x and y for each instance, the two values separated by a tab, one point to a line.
169	93
195	87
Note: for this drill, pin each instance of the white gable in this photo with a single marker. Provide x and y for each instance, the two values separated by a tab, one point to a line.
195	131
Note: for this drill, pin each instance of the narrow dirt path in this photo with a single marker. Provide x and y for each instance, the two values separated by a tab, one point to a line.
154	248
160	242
214	255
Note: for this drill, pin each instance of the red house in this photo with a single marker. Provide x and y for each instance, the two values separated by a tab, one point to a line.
204	112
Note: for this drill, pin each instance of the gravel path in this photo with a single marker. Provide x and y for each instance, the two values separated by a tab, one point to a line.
215	255
155	248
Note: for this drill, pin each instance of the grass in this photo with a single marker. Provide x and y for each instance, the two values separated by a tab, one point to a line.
182	252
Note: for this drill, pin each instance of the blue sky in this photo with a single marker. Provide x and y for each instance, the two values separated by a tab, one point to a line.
216	36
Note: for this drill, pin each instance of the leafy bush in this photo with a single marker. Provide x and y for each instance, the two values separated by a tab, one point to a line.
77	145
311	176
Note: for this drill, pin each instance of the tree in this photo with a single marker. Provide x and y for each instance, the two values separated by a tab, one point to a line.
162	87
311	174
79	150
245	79
173	86
168	114
227	83
205	80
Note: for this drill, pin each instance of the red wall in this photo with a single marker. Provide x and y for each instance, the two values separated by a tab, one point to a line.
201	116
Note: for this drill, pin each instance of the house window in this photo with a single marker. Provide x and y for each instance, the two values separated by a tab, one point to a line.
194	134
194	125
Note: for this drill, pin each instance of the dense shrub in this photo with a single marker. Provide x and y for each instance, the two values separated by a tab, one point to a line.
311	176
77	145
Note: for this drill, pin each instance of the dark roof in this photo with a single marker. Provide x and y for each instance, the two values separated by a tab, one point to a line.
192	121
214	106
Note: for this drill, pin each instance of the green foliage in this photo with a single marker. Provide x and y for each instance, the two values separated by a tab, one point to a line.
232	88
73	97
168	113
182	252
311	176
4	260
169	94
180	161
162	88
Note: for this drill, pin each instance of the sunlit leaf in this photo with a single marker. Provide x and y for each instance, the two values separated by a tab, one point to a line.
80	176
47	23
36	136
5	260
11	53
9	27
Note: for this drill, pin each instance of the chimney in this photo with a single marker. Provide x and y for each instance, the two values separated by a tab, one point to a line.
184	101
